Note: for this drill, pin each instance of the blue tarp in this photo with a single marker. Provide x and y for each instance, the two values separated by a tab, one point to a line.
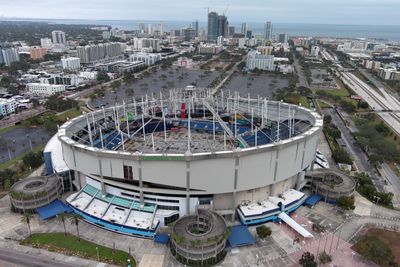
240	236
312	200
54	208
161	239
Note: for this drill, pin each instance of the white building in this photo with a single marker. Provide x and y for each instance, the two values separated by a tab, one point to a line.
44	89
209	48
220	40
71	63
262	62
7	106
140	43
314	51
148	58
58	37
9	55
88	75
46	42
241	43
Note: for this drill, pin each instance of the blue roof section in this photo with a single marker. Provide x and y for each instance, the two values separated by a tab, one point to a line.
161	239
312	200
240	236
53	209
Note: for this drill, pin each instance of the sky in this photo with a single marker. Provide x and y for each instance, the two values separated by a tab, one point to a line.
357	12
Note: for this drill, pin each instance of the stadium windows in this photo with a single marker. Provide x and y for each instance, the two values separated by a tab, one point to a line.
128	172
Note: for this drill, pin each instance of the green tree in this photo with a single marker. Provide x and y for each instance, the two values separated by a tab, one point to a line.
346	203
62	218
33	159
307	260
26	218
263	231
75	221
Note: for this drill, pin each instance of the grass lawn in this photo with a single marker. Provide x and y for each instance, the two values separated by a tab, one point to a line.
71	245
70	113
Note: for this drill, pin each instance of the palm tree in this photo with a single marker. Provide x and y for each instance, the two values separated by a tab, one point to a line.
26	218
75	221
61	218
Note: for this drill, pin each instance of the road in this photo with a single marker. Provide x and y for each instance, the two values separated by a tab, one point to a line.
10	258
23	115
360	159
375	100
393	181
302	78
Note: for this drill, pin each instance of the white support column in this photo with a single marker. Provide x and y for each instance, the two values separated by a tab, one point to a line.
101	139
144	130
188	144
89	131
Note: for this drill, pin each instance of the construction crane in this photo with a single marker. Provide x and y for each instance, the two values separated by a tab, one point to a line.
226	10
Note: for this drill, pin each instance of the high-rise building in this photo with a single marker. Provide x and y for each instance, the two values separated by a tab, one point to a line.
45	42
244	28
10	55
37	52
195	27
58	37
93	53
249	34
268	31
71	63
140	43
261	62
231	30
149	29
314	51
283	38
188	34
222	26
220	40
160	29
212	27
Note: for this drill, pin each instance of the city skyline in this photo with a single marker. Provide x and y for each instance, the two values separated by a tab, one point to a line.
354	12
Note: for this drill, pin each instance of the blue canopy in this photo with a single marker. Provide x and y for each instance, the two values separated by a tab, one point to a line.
161	238
53	209
240	236
312	200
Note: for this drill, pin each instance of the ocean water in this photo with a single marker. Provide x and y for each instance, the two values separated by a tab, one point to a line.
385	32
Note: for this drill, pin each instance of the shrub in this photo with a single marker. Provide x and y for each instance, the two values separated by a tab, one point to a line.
325	258
308	260
263	231
346	203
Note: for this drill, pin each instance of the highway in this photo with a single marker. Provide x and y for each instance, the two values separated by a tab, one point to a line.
375	100
10	258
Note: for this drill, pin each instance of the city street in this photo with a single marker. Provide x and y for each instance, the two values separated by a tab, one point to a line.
23	115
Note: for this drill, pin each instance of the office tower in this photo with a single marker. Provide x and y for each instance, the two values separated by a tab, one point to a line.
249	34
283	38
149	29
222	26
244	28
220	40
141	28
188	34
231	30
10	55
58	37
212	27
195	26
160	29
268	31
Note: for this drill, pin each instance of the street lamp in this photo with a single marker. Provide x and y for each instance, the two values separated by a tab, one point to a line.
98	256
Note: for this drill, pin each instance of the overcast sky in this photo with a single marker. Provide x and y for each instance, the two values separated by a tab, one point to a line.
362	12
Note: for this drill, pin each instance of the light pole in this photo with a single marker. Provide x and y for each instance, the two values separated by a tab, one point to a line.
98	255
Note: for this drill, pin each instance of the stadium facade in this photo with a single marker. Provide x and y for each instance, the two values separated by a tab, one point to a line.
142	165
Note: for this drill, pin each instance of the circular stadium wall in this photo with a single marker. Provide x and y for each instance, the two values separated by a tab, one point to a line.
200	149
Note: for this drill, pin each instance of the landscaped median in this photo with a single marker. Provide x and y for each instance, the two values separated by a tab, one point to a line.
73	246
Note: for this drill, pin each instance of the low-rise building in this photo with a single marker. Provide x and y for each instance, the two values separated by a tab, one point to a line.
7	106
389	74
147	58
209	49
44	89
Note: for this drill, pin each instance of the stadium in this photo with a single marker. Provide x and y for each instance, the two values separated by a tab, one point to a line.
145	163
